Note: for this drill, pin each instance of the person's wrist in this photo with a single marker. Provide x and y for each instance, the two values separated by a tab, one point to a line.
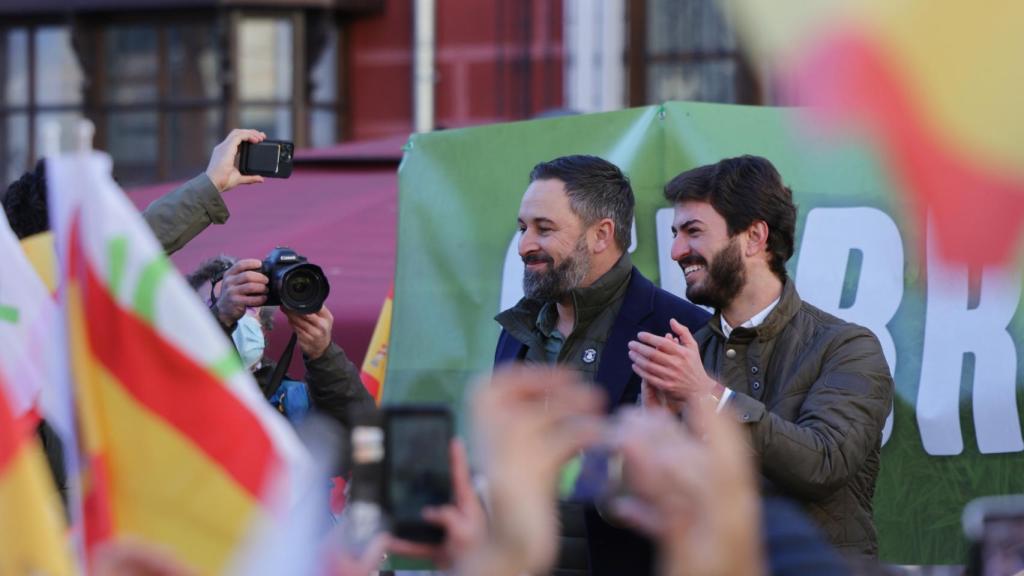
318	354
227	321
219	182
716	390
491	558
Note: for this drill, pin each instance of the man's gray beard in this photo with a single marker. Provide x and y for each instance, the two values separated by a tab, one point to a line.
554	284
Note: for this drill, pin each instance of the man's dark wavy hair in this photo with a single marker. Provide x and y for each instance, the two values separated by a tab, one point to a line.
596	188
743	190
25	203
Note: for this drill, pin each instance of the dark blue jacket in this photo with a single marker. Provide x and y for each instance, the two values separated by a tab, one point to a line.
645	308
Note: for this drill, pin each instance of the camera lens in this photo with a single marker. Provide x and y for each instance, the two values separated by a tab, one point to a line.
304	289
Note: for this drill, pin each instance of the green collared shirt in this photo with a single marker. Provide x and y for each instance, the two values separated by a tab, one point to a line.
534	323
547	321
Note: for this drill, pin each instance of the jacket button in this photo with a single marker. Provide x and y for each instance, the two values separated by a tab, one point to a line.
746	417
730	353
753	369
756	385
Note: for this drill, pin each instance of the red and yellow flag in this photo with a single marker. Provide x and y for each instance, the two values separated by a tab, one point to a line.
936	88
177	446
32	539
375	363
28	318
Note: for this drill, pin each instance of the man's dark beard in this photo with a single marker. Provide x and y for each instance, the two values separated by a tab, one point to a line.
553	284
725	278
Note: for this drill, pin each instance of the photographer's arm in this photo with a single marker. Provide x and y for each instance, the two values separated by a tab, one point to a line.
333	380
335	386
179	216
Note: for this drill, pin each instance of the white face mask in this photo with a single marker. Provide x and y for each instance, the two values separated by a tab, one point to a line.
249	341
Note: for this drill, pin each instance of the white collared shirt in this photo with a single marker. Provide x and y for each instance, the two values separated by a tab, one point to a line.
755	321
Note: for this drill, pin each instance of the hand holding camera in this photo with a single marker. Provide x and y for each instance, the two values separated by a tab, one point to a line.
313	331
283	278
222	169
242	286
270	158
463	521
530	422
294	283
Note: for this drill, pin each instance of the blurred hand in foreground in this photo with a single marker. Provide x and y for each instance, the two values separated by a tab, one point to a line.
697	498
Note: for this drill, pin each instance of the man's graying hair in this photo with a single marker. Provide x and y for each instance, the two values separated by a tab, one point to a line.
596	188
211	271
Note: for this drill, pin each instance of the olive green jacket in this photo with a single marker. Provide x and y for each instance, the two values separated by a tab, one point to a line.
179	216
814	392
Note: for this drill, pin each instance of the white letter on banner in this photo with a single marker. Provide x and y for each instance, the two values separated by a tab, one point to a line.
953	330
830	235
512	275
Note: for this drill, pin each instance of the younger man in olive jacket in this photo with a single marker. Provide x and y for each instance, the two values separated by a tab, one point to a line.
813	390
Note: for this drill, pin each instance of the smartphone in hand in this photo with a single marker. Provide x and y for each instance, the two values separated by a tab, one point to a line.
994	525
417	468
270	158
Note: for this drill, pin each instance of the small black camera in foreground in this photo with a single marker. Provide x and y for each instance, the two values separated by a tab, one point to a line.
295	284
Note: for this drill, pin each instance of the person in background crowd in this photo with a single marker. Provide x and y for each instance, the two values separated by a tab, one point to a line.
332	380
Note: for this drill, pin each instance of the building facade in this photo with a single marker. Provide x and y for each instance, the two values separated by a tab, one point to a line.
164	80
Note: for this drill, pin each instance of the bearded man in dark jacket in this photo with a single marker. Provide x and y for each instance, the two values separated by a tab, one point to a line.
812	390
584	301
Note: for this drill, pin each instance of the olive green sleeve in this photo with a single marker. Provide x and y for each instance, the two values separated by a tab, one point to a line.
179	216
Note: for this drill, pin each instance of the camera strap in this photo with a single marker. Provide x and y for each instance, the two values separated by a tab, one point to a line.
282	366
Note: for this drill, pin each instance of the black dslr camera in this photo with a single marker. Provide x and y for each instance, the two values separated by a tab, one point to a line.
295	284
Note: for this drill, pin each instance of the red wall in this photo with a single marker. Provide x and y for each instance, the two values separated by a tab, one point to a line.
496	60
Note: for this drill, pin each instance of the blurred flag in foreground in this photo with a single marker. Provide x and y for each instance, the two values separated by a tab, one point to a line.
376	361
27	316
38	249
936	86
32	536
177	446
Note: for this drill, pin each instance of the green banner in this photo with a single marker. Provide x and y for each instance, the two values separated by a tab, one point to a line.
951	335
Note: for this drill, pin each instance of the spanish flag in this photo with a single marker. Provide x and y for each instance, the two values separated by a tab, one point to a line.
177	447
375	363
32	539
934	87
